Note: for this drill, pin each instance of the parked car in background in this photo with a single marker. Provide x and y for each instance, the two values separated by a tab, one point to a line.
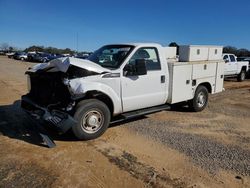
20	56
10	54
42	57
31	56
234	68
245	59
84	55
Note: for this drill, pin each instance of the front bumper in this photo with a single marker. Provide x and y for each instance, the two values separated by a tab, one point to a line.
61	121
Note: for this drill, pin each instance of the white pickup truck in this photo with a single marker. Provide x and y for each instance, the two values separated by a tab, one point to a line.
116	82
234	68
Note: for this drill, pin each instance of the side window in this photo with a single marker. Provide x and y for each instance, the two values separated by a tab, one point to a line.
232	58
225	57
151	57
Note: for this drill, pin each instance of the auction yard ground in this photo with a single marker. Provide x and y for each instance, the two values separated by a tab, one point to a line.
174	148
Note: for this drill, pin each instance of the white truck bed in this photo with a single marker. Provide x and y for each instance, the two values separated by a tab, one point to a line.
184	77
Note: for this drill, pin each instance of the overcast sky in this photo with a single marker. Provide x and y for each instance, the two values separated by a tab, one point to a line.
57	23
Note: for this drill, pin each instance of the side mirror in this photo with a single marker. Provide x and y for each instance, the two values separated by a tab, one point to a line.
129	70
139	68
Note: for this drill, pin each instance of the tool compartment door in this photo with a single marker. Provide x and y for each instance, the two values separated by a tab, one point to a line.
219	77
180	82
204	70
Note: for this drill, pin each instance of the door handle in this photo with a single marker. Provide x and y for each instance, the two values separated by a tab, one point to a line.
163	78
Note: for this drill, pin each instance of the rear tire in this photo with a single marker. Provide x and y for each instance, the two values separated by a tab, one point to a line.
93	117
22	59
200	100
241	77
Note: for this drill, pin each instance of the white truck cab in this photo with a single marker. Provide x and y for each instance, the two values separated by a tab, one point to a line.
117	82
234	68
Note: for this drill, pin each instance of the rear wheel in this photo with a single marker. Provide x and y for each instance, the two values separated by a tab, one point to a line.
93	117
241	77
200	100
22	59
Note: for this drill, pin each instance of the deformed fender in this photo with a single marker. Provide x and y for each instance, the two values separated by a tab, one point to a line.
81	86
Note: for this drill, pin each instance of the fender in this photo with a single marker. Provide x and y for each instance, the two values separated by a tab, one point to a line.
81	86
208	84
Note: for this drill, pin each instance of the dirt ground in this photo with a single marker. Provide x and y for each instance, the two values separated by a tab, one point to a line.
174	148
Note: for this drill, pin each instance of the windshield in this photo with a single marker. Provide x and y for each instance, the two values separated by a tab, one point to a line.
111	56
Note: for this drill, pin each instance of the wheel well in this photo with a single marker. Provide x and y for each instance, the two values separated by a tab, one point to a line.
207	85
244	68
102	97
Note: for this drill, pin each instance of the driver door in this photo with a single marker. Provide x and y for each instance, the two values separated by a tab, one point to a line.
145	90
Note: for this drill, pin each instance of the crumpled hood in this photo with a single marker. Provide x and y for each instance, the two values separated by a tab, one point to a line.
62	64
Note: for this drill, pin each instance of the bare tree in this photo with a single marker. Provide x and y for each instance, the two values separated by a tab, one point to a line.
4	46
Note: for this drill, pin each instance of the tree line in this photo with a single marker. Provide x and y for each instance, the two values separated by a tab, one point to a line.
241	52
51	50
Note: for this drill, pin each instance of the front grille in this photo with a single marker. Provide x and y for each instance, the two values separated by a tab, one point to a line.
48	88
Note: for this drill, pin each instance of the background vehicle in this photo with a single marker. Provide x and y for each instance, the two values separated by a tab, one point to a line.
42	57
119	82
10	54
30	57
82	55
234	68
243	59
20	56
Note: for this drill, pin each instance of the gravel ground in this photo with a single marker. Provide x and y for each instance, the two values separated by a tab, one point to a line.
207	153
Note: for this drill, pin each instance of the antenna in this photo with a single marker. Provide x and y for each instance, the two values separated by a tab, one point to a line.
77	42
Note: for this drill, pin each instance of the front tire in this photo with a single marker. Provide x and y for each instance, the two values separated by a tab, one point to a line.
93	117
200	100
241	77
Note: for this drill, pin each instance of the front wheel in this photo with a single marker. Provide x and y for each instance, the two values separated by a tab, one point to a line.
93	117
241	77
200	100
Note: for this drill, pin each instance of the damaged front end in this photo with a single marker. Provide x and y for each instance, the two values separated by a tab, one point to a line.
62	121
49	98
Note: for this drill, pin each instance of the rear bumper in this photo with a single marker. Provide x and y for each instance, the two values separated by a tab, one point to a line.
61	121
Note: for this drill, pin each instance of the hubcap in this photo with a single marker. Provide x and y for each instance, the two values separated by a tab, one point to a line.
201	99
92	121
